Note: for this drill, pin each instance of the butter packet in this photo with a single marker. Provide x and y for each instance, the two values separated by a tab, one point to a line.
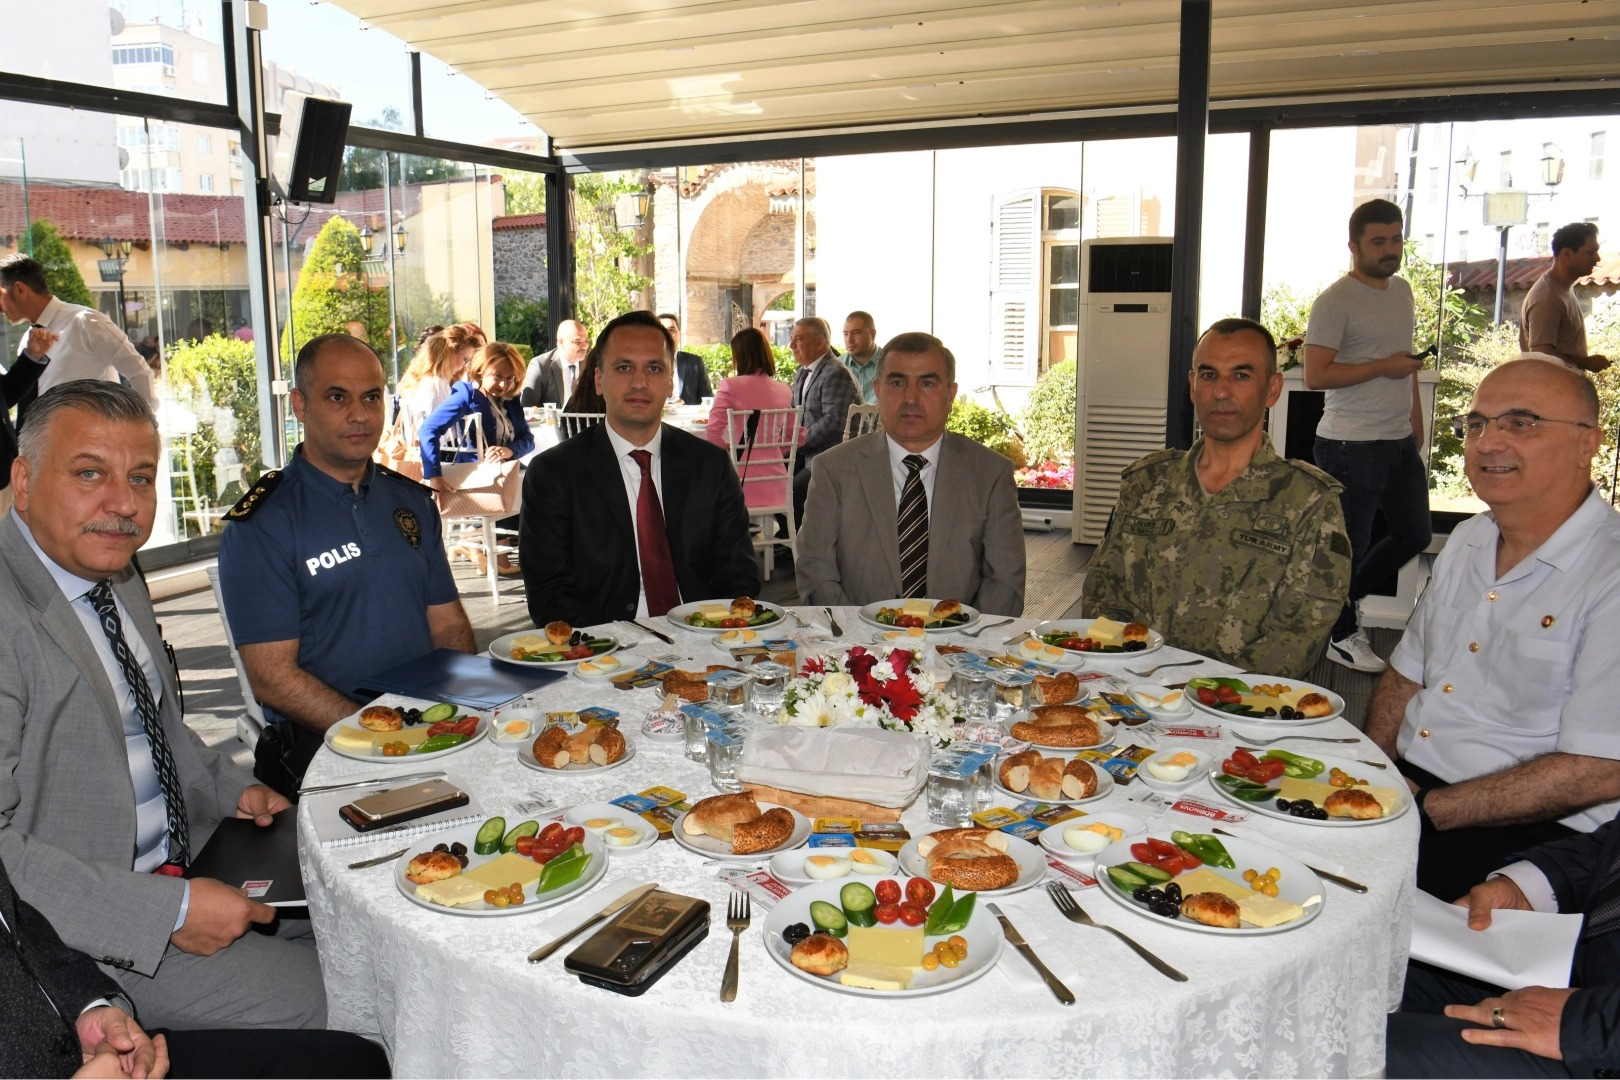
832	840
750	654
636	804
1047	814
837	825
998	817
1126	709
562	719
598	715
663	818
1025	830
711	715
883	837
663	796
1123	763
644	677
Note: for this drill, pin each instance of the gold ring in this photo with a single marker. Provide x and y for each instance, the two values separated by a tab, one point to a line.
1496	1018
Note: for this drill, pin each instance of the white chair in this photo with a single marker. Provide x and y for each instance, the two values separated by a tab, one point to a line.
472	534
775	440
862	420
569	424
251	724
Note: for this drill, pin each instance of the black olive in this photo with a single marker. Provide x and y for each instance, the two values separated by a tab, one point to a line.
1140	893
1172	891
458	848
795	933
462	859
1155	894
441	847
1284	805
1287	712
1270	711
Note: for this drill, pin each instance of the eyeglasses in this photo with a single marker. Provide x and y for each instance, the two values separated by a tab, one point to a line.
1515	423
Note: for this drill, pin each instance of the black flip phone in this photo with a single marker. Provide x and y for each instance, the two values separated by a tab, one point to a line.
636	947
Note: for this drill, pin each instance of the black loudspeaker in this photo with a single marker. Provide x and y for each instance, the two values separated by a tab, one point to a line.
309	148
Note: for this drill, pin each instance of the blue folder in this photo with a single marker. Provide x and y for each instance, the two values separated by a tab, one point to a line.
476	682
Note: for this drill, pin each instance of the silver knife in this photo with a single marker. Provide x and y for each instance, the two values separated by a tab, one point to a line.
403	778
1053	983
665	638
832	623
379	860
1353	886
612	909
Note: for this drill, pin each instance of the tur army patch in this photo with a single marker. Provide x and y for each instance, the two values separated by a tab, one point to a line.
410	528
1264	543
1141	526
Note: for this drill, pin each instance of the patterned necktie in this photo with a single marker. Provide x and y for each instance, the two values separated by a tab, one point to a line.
101	598
912	523
652	543
1604	914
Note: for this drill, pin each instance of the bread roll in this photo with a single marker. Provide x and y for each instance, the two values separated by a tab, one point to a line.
1353	803
1212	909
719	815
1014	771
744	607
381	718
551	748
579	745
1046	779
432	866
1314	705
946	608
1057	689
686	685
1079	780
608	745
771	829
820	954
1134	631
558	632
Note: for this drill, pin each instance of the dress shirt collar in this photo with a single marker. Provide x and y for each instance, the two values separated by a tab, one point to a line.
72	585
1564	546
898	453
622	446
52	311
323	482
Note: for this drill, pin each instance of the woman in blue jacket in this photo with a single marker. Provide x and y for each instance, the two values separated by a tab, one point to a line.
494	379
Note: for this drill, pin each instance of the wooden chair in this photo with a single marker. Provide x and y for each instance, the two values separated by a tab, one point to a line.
862	420
774	441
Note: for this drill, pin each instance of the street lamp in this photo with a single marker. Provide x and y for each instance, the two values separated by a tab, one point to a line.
367	238
1552	164
112	269
400	236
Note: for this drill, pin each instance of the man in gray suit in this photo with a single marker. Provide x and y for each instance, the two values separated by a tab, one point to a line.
551	375
105	794
913	510
823	391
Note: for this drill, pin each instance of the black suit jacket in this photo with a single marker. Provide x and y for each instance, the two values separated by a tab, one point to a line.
36	969
577	537
1589	1033
15	384
694	378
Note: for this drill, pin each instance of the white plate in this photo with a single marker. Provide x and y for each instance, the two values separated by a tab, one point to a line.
580	813
627	662
535	717
1169	716
1105	732
1155	640
480	910
1031	866
788	866
501	649
1377	777
1195	773
678	617
868	615
982	934
374	755
1052	837
710	848
1105	786
1298	885
1271	721
526	759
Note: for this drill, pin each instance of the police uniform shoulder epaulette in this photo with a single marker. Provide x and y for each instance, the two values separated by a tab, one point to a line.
401	477
1158	457
1316	474
257	496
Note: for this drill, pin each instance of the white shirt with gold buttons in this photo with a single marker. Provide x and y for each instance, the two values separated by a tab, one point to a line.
1522	665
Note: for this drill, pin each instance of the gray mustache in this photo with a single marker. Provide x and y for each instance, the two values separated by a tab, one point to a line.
122	526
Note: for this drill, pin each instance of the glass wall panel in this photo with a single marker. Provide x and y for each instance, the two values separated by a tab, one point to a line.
323	50
455	107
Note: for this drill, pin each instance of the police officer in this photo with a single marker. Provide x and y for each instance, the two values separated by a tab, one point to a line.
333	568
1228	549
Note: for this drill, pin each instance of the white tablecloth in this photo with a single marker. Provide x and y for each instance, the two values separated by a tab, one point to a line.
452	996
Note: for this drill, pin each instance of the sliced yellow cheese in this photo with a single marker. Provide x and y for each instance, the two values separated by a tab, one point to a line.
880	946
1262	702
1291	698
918	607
1204	880
505	870
1105	631
1291	788
1389	798
354	740
411	736
531	643
714	611
876	976
451	892
1267	911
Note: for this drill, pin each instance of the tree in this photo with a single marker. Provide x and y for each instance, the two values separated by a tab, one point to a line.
61	272
363	167
521	321
332	291
1047	421
218	371
525	192
603	286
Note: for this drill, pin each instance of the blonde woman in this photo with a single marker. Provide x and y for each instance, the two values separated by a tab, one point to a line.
440	360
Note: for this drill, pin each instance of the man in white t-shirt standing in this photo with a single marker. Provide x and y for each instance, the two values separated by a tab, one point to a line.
1358	348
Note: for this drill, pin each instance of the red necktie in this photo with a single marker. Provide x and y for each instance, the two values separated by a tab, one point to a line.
652	543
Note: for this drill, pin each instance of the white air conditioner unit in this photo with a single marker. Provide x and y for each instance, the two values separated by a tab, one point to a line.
1122	377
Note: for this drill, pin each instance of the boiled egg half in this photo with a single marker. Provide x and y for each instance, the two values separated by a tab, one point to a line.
599	826
826	867
621	836
1172	769
866	861
1091	838
516	729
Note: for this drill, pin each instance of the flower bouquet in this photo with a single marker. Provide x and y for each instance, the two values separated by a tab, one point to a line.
888	689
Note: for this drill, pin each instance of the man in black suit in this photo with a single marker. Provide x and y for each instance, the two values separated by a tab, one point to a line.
551	375
691	377
631	518
64	1017
18	381
1536	1031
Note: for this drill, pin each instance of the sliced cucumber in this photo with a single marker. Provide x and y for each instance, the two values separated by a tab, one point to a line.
518	831
858	900
828	919
1152	873
488	840
1125	879
436	713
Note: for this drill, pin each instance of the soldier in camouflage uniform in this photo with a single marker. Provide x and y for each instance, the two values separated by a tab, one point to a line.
1253	572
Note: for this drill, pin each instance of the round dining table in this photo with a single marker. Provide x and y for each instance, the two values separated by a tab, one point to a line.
450	995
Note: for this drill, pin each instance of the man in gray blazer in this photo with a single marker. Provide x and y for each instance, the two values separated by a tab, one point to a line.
105	794
551	375
913	510
823	391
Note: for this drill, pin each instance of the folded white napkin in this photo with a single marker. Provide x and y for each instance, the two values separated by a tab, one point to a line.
1518	949
867	764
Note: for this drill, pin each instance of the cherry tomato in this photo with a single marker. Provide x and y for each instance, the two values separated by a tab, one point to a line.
1172	864
554	828
1244	758
1267	771
575	835
1143	854
1227	696
1071	643
888	891
1162	847
920	891
905	621
1232	767
1207	696
544	853
468	726
886	913
913	914
1086	645
733	623
1189	861
525	844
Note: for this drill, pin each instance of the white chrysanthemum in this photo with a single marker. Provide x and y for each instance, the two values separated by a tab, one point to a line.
816	711
882	672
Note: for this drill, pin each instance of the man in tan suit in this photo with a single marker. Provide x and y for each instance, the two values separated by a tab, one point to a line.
913	510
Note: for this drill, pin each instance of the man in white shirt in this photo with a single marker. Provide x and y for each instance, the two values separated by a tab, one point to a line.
679	530
913	510
89	346
1499	702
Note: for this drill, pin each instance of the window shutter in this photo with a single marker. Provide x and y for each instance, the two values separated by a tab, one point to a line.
1015	271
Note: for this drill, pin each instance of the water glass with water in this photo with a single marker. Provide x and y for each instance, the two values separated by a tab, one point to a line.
952	799
725	749
697	736
768	686
976	692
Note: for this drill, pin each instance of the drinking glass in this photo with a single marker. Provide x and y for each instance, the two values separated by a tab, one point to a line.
728	690
697	736
1012	693
768	686
725	748
976	692
952	800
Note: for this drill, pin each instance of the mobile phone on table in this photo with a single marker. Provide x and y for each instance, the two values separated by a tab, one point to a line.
640	943
403	804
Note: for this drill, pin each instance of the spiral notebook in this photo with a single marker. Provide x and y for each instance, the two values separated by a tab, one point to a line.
333	832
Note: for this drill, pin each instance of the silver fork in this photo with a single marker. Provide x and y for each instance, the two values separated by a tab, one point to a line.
983	627
1364	761
1161	667
802	624
739	910
1285	738
1075	913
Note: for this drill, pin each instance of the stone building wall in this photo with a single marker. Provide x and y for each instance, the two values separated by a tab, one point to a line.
519	254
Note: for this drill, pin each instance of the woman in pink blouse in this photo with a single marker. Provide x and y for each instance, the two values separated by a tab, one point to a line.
753	387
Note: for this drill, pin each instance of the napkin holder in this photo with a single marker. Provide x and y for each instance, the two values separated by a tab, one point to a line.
875	797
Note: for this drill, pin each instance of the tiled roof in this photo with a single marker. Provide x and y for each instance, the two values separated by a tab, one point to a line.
1523	273
520	221
88	214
